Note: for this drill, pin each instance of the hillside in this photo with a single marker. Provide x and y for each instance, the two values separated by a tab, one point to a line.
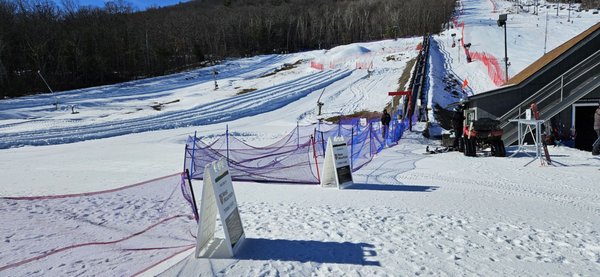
531	33
87	46
94	187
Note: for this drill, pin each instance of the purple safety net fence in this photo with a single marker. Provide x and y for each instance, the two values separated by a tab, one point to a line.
297	157
119	232
290	159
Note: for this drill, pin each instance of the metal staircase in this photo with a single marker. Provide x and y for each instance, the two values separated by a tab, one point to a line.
556	95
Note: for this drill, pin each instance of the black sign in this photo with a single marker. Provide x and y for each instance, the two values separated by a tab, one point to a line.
234	227
344	174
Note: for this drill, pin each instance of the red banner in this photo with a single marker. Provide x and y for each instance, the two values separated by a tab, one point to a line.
399	93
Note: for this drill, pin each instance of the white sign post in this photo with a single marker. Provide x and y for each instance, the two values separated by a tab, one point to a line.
336	168
218	194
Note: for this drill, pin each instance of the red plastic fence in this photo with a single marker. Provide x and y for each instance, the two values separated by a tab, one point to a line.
493	67
364	65
494	70
317	65
117	232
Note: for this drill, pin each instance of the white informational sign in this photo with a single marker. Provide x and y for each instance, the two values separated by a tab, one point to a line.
336	168
528	114
218	194
363	121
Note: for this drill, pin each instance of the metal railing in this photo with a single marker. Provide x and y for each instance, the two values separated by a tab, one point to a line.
556	95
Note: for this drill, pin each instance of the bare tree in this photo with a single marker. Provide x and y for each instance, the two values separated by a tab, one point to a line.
85	46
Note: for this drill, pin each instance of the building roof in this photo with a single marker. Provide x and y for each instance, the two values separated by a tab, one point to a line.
550	56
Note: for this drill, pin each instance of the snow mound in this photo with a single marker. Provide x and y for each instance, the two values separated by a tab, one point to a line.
346	51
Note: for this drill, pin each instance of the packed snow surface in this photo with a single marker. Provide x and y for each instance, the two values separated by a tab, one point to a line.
407	214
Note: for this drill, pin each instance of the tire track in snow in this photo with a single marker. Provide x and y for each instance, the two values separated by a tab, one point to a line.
145	88
503	186
498	183
228	109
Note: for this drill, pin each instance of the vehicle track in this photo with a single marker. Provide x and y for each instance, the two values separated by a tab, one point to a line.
228	109
146	88
503	186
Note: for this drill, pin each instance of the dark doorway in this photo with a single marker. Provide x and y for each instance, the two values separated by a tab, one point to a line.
584	125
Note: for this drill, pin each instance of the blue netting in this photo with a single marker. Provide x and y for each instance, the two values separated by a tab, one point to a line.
296	157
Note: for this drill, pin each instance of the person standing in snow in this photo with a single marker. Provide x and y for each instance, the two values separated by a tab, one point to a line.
385	123
596	148
457	125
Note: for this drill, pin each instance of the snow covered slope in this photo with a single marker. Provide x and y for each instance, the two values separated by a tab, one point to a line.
408	214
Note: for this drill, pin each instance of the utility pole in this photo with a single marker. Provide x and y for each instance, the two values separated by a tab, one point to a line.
557	5
502	23
215	72
546	35
569	18
319	103
458	48
505	53
55	98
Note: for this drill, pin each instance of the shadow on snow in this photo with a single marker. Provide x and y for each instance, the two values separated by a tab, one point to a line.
393	187
307	251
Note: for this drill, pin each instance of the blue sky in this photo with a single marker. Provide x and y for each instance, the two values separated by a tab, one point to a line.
140	4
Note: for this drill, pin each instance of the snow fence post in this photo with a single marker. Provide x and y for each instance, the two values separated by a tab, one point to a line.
322	143
351	149
298	132
385	129
193	153
189	177
396	128
227	141
312	139
185	156
318	126
370	139
391	130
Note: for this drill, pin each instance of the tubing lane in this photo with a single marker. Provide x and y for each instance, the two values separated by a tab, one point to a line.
145	88
223	110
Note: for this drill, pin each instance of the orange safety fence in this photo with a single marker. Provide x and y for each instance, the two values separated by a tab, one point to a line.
317	65
490	61
364	65
493	67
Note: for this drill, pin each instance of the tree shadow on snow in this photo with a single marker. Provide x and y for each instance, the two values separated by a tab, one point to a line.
392	187
308	251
